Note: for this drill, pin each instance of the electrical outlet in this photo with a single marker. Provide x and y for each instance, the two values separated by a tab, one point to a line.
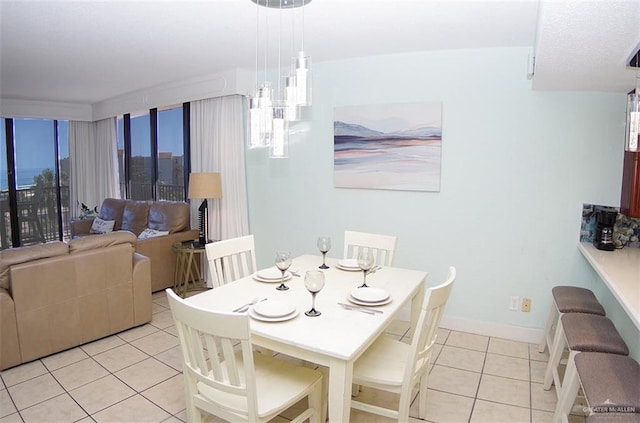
513	303
526	305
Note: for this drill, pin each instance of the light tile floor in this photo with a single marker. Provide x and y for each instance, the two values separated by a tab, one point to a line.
135	376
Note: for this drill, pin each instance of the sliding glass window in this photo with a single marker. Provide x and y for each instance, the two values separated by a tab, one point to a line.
34	191
140	163
152	148
170	155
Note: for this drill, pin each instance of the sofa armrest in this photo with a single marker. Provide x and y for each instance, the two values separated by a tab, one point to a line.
163	258
81	227
9	345
141	289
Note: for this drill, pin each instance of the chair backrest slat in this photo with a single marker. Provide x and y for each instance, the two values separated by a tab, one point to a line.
424	337
383	246
231	259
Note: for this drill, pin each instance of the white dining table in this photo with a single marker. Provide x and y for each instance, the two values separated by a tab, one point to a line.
337	337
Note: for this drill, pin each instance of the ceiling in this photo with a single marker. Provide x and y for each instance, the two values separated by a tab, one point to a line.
89	51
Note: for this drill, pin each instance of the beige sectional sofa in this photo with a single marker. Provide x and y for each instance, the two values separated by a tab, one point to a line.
136	216
56	296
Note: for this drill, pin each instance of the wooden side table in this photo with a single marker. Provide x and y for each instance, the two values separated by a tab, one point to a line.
188	276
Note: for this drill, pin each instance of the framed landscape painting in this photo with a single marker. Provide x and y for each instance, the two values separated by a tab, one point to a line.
388	146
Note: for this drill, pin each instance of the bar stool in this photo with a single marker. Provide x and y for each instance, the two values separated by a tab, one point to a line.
611	386
581	332
568	299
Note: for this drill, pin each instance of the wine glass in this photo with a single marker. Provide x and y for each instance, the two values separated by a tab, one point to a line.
283	262
314	281
324	245
366	260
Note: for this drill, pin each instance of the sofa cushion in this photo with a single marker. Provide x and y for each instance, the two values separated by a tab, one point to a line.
19	255
100	226
84	243
172	216
151	233
112	209
135	216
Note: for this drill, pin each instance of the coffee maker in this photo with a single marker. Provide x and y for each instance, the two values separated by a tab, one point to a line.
603	236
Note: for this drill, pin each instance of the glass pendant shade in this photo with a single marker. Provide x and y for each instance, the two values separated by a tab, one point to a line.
633	122
280	140
292	112
265	103
303	79
255	116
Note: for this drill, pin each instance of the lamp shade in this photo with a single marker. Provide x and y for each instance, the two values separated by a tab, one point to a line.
205	185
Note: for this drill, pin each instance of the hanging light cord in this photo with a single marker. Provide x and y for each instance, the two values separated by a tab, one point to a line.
266	41
257	33
280	96
302	25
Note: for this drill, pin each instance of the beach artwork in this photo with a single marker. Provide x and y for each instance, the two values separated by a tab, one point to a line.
388	146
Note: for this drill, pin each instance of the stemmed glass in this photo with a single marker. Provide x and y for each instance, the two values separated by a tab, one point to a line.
283	262
366	260
324	245
314	281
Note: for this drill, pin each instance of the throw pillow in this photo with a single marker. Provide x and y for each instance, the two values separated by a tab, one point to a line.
151	233
100	226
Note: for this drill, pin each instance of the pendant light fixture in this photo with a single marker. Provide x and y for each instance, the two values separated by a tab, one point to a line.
270	113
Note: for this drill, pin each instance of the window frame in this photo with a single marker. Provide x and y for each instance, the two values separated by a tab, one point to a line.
154	148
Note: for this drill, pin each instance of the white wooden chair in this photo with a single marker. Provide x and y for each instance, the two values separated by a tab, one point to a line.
383	246
224	378
231	259
395	366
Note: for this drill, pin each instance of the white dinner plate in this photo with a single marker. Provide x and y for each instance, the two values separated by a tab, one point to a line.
287	276
257	316
369	294
273	308
349	263
368	304
271	273
348	269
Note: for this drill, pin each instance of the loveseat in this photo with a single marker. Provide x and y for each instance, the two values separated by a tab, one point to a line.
58	295
167	221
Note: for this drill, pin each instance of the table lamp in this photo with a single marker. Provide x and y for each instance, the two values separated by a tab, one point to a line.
204	185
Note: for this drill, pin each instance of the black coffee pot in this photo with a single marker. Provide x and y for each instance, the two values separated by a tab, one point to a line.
605	220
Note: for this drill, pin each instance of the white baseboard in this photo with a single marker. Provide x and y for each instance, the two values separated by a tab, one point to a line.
498	330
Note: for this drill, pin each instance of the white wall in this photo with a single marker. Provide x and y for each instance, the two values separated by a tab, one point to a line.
516	167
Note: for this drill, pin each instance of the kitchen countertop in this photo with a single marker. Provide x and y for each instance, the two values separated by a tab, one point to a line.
620	271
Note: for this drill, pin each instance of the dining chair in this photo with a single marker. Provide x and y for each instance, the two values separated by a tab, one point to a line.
225	378
383	246
395	366
231	259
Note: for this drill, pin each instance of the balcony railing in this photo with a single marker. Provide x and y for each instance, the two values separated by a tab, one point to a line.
37	215
38	211
142	191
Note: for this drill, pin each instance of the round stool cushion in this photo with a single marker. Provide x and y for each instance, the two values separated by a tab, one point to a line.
590	332
572	299
611	382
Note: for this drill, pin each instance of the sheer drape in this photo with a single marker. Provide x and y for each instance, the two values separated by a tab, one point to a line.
93	158
217	145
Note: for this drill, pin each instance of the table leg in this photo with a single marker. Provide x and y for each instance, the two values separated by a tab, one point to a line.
416	306
340	379
182	271
177	273
190	275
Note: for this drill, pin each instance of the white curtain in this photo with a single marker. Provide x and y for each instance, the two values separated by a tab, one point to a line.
217	145
93	158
